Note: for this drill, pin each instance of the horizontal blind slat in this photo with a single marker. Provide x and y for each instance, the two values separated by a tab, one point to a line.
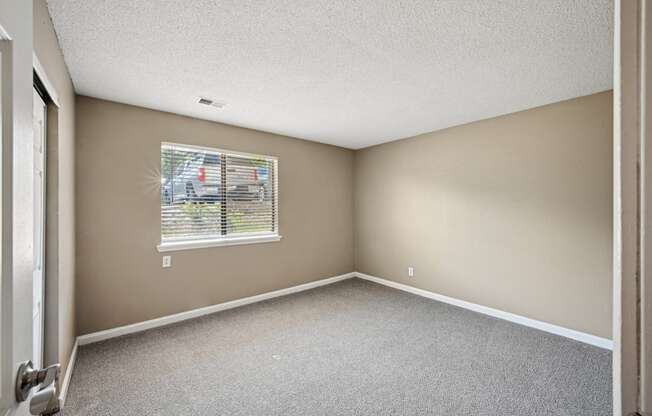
207	193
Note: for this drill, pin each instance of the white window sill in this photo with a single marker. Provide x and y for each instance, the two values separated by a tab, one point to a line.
233	241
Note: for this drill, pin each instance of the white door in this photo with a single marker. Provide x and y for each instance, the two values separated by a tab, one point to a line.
16	295
39	229
20	390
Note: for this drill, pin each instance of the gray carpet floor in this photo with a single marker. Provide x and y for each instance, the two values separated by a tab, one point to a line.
351	348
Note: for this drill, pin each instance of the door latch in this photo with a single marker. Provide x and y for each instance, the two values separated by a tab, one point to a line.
46	400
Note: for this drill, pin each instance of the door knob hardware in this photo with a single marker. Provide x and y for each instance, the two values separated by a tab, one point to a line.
45	401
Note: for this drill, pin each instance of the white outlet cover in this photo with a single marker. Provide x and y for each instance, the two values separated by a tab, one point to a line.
167	261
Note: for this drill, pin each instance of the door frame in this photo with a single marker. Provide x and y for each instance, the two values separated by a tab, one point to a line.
38	89
645	280
6	224
46	85
632	239
50	97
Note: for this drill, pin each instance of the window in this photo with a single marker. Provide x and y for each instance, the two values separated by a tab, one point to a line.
211	197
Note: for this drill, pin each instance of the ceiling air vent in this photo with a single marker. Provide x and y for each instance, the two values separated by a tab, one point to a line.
209	102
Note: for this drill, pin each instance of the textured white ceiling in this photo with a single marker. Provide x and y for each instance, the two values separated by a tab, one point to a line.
347	72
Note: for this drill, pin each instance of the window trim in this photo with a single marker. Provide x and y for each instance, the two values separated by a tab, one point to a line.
222	241
220	150
216	242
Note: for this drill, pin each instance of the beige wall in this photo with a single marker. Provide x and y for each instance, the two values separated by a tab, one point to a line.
119	275
514	213
60	229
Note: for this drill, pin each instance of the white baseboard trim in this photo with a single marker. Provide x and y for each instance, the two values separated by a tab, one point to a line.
65	383
543	326
183	316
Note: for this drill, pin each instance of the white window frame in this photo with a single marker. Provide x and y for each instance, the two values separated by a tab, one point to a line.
226	241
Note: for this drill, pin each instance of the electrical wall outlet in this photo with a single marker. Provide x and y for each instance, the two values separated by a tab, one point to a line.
167	261
410	271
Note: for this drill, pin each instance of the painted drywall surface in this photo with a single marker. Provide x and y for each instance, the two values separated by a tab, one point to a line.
119	275
349	73
60	231
514	213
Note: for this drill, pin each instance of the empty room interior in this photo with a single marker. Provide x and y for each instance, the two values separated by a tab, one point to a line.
324	208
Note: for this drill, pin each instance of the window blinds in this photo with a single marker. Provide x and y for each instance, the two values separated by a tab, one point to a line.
210	194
